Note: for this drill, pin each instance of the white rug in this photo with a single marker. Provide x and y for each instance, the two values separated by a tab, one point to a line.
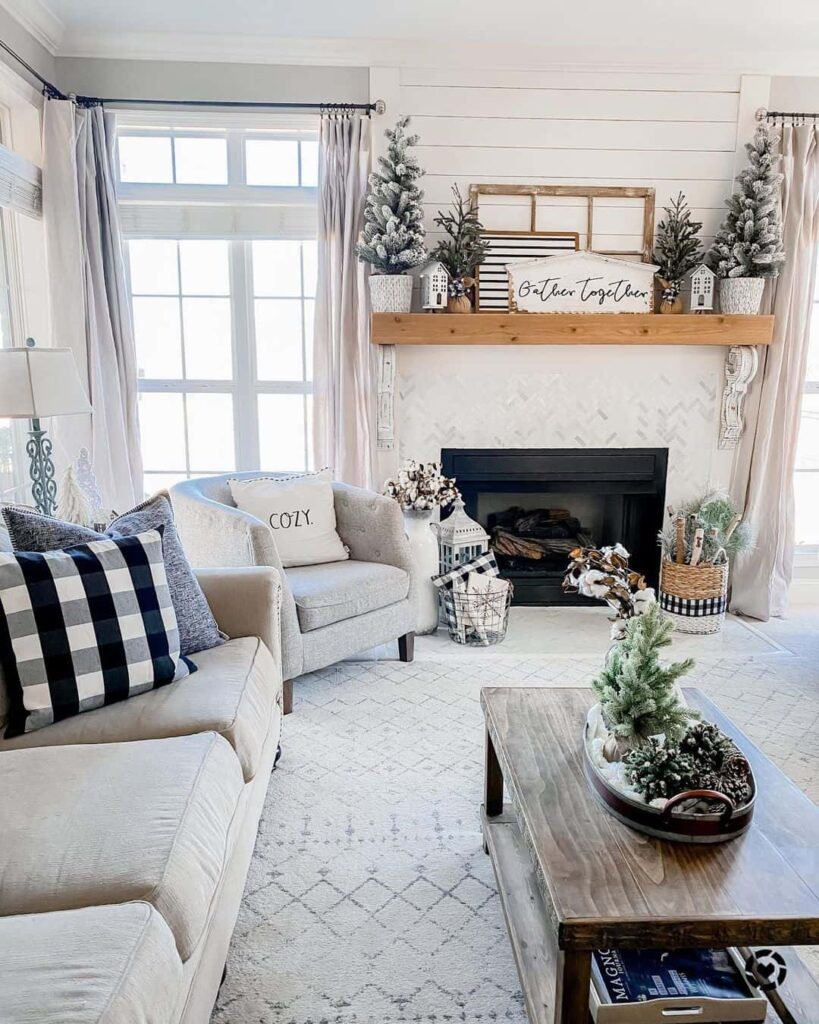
369	897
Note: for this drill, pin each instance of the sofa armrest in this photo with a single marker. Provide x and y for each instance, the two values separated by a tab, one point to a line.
372	527
246	602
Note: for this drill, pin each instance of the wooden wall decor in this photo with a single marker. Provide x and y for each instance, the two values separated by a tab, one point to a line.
589	193
505	247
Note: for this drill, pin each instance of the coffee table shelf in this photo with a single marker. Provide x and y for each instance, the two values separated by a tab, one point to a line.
572	879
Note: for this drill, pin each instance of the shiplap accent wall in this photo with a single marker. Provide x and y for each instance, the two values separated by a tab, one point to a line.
669	131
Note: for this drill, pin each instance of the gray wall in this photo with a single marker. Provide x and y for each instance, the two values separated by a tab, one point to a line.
13	33
796	94
192	80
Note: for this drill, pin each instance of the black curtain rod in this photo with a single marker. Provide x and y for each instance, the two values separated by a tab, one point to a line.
773	115
330	108
53	93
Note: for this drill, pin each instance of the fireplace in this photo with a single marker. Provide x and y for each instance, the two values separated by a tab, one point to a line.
538	503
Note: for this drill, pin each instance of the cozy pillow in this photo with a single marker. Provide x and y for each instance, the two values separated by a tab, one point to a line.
31	531
300	511
85	627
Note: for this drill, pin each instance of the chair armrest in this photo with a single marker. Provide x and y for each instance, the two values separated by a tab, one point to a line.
246	602
372	526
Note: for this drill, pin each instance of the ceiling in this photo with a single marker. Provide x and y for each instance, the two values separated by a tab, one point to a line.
749	35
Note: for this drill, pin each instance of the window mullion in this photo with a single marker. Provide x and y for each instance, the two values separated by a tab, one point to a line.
245	416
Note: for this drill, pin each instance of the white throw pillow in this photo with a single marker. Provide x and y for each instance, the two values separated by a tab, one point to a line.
301	513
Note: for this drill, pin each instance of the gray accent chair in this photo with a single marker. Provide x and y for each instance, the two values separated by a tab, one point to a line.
329	611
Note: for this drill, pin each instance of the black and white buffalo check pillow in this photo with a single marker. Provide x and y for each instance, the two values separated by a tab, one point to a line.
84	627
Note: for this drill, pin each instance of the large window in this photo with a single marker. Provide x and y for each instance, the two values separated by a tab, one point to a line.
221	254
807	455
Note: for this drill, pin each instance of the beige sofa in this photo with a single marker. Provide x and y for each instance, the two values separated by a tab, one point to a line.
126	833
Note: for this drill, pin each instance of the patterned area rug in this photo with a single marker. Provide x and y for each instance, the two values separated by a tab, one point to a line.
369	897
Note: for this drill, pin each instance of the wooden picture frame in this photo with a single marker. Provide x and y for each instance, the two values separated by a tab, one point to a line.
589	193
505	247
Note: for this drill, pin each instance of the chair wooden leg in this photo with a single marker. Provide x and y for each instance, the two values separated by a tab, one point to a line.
287	696
406	647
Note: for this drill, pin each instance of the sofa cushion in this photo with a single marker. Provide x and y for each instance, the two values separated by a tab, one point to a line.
233	693
31	531
115	822
341	590
99	965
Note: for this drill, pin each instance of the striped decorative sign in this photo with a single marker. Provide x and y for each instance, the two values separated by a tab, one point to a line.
505	247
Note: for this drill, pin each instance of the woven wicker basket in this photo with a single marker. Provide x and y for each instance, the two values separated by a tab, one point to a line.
694	597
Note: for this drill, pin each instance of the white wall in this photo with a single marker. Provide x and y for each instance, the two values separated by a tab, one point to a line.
669	131
201	80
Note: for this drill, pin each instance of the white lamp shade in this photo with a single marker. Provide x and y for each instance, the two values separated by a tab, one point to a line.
39	382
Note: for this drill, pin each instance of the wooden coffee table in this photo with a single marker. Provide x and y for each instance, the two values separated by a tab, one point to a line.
573	879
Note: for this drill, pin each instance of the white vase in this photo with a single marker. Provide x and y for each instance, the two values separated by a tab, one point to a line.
741	294
425	564
391	293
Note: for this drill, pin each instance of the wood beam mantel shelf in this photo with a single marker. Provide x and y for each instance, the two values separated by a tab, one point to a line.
569	329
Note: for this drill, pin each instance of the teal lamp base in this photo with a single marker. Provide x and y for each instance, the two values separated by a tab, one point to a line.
41	469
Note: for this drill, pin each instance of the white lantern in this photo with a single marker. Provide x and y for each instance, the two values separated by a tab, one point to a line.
460	539
434	286
702	289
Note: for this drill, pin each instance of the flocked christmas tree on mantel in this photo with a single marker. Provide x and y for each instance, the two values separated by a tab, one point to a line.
392	240
676	252
748	246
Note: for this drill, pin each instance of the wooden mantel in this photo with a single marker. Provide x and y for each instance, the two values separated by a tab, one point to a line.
569	329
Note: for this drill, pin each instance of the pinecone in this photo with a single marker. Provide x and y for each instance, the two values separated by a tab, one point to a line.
735	779
659	772
707	745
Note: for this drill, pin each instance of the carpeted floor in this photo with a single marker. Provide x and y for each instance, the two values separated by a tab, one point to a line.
369	897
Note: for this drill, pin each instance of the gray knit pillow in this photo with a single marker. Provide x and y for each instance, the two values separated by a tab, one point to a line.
31	531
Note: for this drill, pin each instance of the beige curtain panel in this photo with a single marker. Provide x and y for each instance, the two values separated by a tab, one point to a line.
763	474
343	391
89	298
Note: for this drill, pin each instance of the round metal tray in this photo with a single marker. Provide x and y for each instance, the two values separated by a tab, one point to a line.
671	822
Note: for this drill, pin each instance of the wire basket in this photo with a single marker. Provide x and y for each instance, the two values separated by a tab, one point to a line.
477	620
694	597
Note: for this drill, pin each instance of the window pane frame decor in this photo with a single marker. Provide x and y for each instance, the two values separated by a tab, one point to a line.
241	216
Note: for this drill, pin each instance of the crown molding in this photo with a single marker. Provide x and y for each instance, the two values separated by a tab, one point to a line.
373	52
39	21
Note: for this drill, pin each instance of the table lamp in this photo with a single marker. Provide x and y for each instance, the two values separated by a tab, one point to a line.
35	383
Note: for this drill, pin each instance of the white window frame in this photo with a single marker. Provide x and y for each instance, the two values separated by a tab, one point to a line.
239	214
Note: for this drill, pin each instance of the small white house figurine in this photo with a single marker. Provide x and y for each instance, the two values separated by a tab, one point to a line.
434	286
702	289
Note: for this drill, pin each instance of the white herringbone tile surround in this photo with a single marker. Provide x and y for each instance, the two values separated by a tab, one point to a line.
369	897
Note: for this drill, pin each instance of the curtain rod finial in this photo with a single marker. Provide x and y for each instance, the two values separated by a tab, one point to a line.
380	107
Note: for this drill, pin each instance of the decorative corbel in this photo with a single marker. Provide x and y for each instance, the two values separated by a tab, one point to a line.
385	409
741	365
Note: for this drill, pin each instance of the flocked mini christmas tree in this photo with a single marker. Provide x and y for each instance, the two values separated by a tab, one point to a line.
393	237
637	694
749	242
677	250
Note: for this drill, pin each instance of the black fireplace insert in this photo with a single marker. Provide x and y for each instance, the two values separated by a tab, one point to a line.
539	503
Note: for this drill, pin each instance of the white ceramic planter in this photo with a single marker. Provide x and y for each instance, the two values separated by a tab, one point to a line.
424	549
391	293
741	294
